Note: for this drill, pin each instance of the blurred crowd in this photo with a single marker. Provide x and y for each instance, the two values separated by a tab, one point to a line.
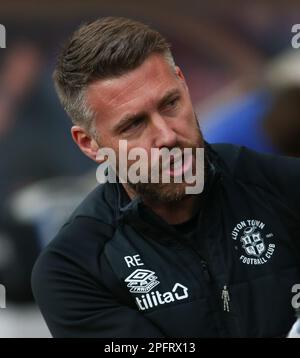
244	79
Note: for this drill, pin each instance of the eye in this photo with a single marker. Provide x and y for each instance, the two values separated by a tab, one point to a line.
135	124
172	103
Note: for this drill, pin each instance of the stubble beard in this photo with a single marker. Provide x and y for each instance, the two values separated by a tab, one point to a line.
167	192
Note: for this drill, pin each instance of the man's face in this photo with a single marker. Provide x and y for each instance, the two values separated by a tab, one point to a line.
149	107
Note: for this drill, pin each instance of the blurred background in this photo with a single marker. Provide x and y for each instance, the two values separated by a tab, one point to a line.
244	79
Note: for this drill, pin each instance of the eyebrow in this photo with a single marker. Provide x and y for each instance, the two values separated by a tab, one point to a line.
130	118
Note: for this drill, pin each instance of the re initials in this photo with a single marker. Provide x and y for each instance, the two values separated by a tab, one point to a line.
133	261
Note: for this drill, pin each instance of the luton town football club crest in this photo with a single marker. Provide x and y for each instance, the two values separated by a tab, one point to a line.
252	242
251	236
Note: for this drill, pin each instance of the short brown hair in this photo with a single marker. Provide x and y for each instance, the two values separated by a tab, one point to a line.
105	48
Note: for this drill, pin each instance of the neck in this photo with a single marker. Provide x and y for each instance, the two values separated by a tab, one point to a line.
175	212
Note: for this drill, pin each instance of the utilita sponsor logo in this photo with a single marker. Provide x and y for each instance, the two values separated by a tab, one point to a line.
142	281
153	299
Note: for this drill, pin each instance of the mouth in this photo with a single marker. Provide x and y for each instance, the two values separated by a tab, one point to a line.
178	166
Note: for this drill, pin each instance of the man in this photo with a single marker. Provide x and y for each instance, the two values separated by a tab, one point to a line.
147	259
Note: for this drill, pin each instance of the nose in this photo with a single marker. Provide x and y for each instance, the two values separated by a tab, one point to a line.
164	135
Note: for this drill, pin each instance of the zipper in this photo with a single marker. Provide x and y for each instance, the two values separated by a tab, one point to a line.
226	298
206	273
224	294
220	296
203	263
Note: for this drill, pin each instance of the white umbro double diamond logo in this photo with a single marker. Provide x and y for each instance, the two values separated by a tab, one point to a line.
141	281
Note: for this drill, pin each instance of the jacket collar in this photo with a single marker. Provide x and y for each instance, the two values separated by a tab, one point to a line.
137	214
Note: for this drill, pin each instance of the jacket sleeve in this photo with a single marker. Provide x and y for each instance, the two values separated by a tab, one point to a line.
278	174
284	174
75	304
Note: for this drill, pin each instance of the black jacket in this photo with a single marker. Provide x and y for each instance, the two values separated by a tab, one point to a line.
116	269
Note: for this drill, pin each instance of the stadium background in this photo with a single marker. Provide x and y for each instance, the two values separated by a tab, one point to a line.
244	79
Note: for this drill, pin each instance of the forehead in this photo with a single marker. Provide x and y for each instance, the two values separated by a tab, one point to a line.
133	91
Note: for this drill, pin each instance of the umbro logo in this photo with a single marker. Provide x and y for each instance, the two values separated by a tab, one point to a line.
141	281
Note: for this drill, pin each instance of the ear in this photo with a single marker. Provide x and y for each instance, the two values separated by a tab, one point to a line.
181	77
85	142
